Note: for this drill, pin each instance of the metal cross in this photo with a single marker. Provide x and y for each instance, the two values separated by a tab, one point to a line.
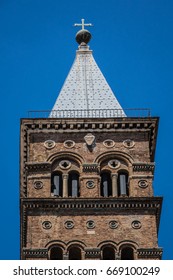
83	24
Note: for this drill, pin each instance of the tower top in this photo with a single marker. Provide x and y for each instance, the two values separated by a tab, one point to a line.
83	35
85	91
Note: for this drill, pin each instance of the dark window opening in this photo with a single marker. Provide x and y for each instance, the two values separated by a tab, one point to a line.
73	184
106	184
108	253
75	253
56	184
127	254
56	253
123	189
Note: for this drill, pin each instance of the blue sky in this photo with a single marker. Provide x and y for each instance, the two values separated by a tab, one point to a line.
132	44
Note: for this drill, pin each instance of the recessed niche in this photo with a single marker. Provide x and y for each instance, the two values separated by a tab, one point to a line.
114	163
69	224
136	224
90	224
69	144
65	164
49	144
143	184
46	224
113	224
38	185
109	143
128	143
90	184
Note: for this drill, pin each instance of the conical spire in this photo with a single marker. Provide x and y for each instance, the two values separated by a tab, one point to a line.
86	92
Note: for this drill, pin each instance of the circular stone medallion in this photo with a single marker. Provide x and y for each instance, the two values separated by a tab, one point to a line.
69	224
136	224
49	144
90	184
46	224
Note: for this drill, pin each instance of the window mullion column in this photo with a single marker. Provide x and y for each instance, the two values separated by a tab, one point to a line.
65	185
114	184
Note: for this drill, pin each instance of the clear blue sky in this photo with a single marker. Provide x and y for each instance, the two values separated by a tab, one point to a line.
133	46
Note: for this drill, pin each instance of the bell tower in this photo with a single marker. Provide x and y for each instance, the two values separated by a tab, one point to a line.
86	173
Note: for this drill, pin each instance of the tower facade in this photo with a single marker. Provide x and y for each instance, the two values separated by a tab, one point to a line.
86	174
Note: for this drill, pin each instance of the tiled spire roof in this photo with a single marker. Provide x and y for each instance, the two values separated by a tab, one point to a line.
85	87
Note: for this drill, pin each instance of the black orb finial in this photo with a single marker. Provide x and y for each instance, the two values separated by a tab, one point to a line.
83	35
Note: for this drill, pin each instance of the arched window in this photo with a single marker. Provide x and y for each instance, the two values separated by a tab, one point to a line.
123	184
56	253
73	184
74	253
108	253
56	184
106	184
127	253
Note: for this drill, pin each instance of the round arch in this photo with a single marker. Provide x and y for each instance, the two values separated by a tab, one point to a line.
64	155
112	154
81	244
54	243
75	250
128	243
127	249
107	242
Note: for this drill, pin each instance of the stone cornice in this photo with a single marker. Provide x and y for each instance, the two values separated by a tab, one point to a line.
127	124
88	206
98	205
152	253
91	167
141	167
37	167
92	253
35	253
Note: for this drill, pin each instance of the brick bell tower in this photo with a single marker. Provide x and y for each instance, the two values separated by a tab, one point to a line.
86	173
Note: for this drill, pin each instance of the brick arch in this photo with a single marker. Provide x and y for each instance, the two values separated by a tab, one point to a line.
53	243
114	154
128	243
76	243
64	155
107	243
108	250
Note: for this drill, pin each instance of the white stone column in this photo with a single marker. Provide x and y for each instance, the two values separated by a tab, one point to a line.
65	185
114	184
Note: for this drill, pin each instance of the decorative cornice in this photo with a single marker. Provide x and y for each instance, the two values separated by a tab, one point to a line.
141	167
91	167
35	253
90	123
24	226
142	124
98	205
88	206
152	253
37	167
141	176
92	253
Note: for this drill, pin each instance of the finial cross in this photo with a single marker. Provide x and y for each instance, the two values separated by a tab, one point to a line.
83	24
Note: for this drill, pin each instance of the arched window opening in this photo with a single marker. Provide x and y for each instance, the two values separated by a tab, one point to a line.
56	184
56	253
127	253
106	184
75	253
73	184
123	189
108	253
